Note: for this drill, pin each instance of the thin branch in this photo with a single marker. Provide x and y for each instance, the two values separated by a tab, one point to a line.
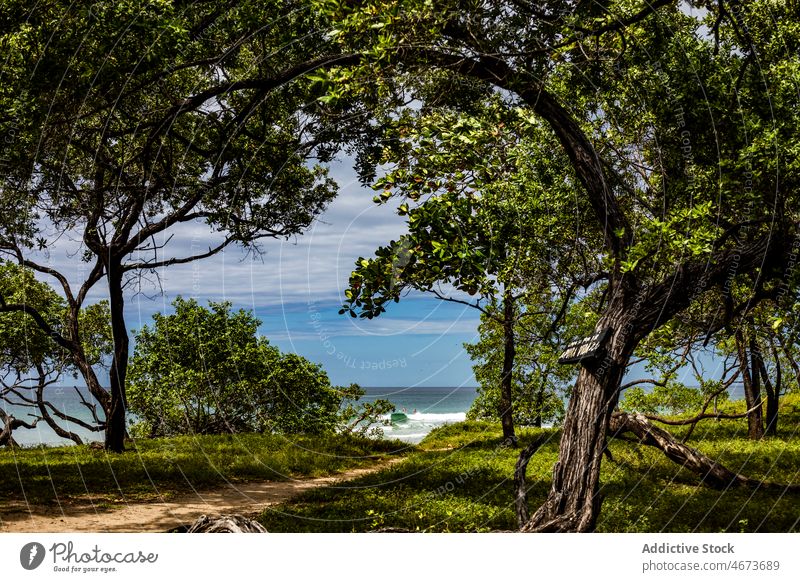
178	260
643	381
475	305
40	321
698	418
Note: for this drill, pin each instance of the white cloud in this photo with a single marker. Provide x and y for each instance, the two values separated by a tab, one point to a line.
315	265
382	328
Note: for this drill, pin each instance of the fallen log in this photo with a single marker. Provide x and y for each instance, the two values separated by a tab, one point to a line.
711	472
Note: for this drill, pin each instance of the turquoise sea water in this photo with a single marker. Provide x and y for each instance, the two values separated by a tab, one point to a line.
426	408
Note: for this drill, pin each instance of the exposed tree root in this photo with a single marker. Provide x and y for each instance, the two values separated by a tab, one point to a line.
225	524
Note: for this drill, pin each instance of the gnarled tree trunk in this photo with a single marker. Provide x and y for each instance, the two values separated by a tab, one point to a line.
752	386
573	503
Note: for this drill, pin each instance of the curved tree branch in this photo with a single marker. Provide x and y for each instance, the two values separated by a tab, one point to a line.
585	159
40	321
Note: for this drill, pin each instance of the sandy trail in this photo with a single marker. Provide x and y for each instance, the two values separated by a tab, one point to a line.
160	516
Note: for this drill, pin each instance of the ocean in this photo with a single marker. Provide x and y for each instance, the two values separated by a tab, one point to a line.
426	409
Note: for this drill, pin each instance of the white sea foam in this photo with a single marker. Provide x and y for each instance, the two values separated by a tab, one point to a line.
437	418
433	417
417	425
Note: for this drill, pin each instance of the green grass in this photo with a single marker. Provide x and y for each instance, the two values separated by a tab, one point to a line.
459	480
163	467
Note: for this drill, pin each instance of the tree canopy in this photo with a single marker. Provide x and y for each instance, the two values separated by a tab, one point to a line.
127	121
681	130
666	133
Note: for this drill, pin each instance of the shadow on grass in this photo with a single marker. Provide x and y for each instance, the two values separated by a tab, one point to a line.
461	480
154	468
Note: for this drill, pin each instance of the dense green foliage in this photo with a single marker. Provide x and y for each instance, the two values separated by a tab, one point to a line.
23	344
460	481
485	193
156	468
483	203
123	122
669	399
206	370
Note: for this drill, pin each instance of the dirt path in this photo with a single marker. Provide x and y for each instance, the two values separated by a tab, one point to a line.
244	498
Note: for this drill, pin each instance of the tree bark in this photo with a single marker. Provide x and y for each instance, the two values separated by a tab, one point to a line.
10	424
773	391
115	414
573	503
506	380
752	387
520	490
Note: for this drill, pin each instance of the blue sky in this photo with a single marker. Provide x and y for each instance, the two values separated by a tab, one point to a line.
296	288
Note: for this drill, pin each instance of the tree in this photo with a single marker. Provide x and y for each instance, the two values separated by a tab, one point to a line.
206	370
758	342
128	121
30	363
778	360
692	178
539	383
478	228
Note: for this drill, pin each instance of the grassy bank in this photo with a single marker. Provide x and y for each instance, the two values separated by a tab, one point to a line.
459	480
164	467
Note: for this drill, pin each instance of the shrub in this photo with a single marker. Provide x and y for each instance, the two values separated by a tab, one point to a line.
206	370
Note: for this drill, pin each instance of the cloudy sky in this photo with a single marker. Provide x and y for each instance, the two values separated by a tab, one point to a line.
296	289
